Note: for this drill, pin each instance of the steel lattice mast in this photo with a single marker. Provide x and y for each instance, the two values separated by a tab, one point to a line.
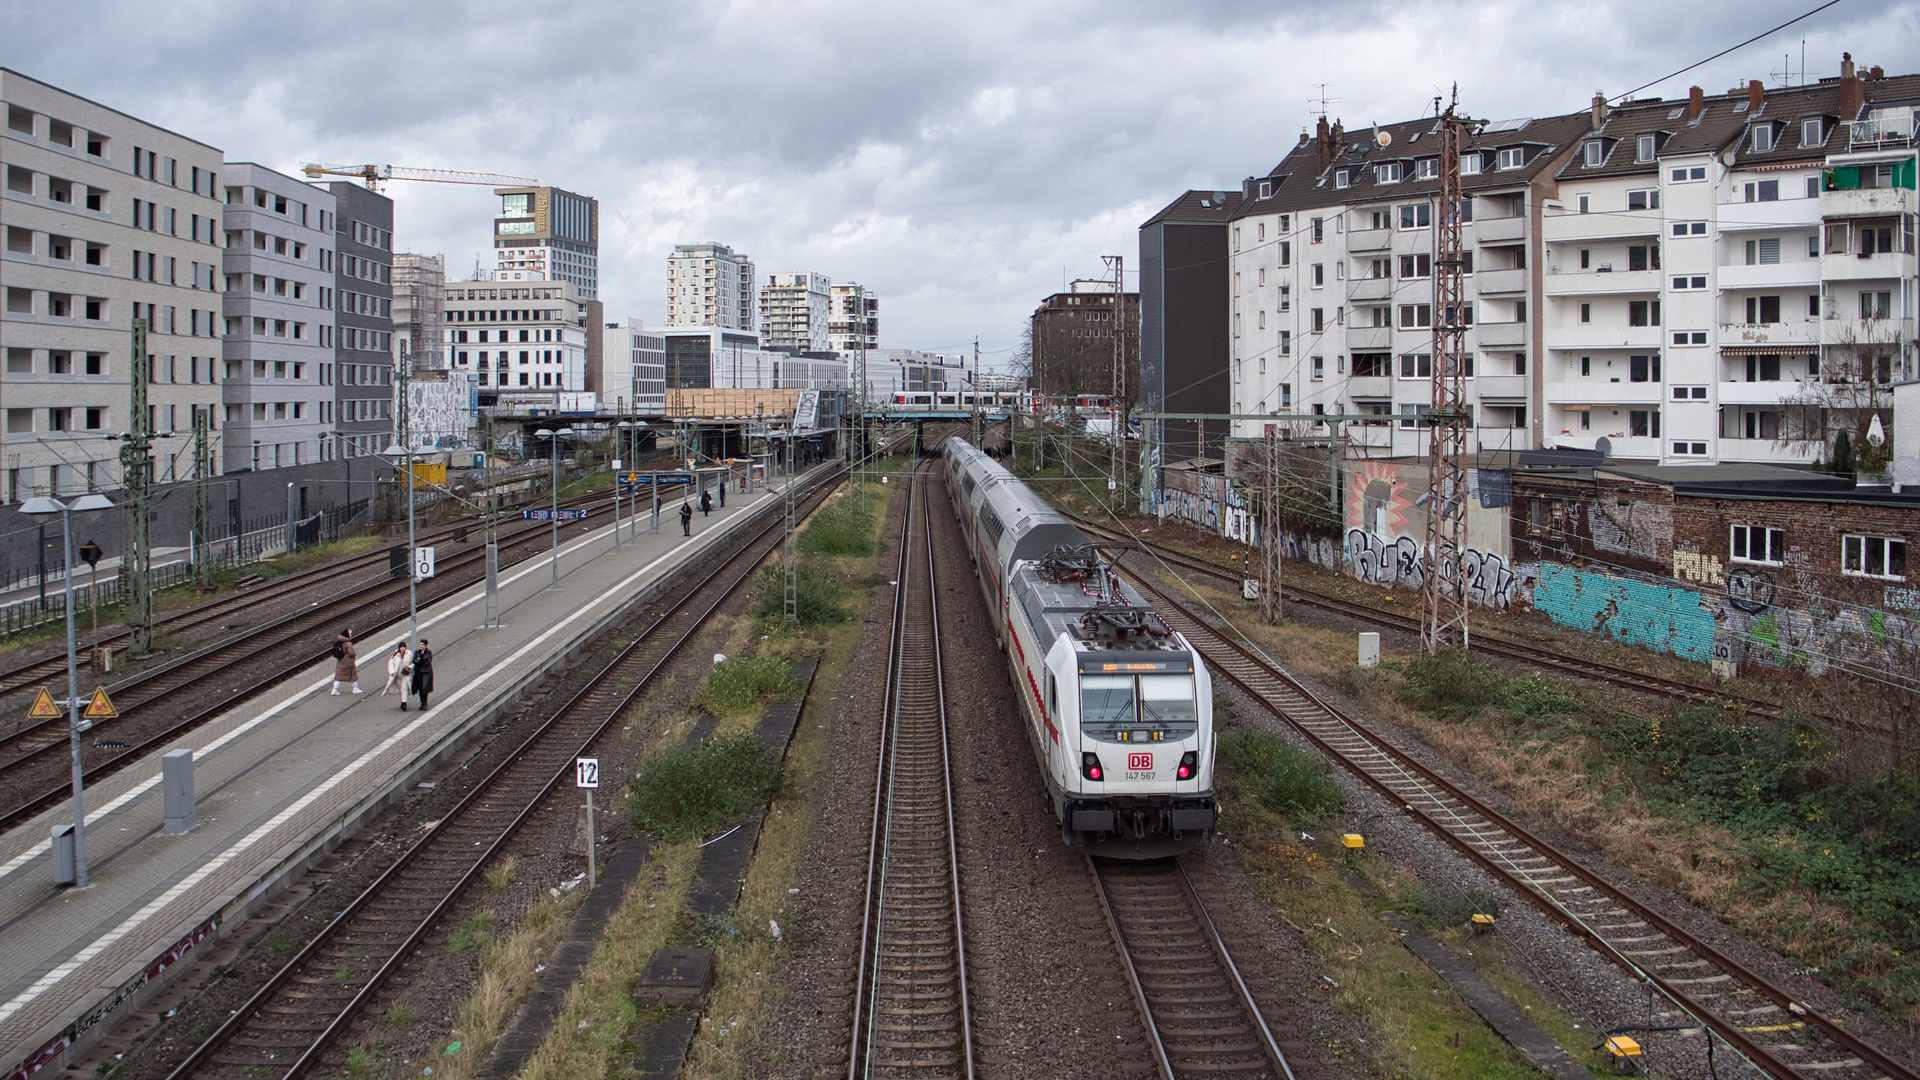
1451	416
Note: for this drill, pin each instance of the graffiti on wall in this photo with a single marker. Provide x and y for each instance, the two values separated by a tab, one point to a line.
1401	562
1385	542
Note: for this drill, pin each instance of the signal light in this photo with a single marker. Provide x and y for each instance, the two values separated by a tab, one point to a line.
1189	764
1090	767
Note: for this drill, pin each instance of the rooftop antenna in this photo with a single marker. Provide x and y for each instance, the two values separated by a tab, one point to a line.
1319	105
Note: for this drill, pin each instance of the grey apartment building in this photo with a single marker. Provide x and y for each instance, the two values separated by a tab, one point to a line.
279	320
362	412
1184	348
106	219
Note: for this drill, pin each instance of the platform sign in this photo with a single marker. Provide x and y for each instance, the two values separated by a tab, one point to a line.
548	515
586	772
44	707
422	563
100	706
640	479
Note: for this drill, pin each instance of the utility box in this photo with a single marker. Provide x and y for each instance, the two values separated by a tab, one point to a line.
1369	649
102	658
1624	1053
176	780
63	871
675	976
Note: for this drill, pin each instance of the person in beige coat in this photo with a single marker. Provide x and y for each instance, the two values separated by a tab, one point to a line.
346	663
397	670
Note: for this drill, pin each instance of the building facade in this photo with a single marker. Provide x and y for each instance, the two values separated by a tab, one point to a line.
1076	336
793	311
362	375
546	234
1184	348
107	219
710	285
420	309
278	349
523	342
853	320
634	380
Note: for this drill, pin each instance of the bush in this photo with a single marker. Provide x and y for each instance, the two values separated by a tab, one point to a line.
690	791
818	599
839	528
1287	780
740	684
1453	685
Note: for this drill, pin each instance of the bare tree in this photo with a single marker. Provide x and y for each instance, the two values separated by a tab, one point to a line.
1850	391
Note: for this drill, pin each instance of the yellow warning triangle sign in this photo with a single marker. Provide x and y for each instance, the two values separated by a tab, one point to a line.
43	707
101	706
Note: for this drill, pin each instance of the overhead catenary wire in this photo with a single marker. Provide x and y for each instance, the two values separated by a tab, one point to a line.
1725	51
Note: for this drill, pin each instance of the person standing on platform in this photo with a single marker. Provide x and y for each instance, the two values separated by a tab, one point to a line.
422	674
346	663
397	669
686	519
706	502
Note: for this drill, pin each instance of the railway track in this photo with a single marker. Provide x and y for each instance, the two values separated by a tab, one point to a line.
911	1015
1778	1035
299	1021
1201	1018
284	646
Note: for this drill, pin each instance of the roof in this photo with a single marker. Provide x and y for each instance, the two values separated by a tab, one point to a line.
1770	479
109	108
1207	207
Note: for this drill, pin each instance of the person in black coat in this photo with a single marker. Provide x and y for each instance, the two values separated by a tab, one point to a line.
686	519
422	673
706	503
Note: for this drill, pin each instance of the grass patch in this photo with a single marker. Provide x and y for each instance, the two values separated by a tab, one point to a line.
401	1015
475	933
1452	685
842	527
500	875
506	978
820	596
743	683
685	792
1287	780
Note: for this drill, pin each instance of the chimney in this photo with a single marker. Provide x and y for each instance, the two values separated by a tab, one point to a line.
1852	97
1304	136
1756	95
1339	139
1696	103
1322	147
1877	72
1599	110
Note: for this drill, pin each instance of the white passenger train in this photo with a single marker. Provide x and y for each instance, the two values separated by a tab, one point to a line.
1119	708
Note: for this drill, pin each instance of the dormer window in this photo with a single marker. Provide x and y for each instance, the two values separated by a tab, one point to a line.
1762	138
1388	173
1266	189
1593	153
1426	169
1813	132
1341	178
1470	164
1644	147
1512	158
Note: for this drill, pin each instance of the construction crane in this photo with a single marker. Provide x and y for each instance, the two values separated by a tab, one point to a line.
374	175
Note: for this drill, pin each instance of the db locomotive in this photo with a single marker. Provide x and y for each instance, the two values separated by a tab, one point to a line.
1118	707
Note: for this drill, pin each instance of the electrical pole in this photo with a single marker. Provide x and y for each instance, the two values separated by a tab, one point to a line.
976	391
492	620
1118	263
1270	533
859	448
1446	616
136	466
202	553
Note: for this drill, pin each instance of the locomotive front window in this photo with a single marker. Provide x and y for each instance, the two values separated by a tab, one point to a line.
1155	708
1166	701
1106	701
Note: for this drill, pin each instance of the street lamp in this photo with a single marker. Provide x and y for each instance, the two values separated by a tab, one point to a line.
413	569
44	505
553	454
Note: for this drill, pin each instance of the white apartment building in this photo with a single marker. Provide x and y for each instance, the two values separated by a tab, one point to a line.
635	379
709	285
523	342
853	318
1331	281
279	310
1718	267
106	219
793	311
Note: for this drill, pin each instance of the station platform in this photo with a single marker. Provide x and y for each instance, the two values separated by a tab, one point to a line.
280	780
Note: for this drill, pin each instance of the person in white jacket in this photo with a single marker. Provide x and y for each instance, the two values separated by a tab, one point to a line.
397	671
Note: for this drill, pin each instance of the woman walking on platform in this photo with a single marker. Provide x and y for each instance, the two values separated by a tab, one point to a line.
397	668
422	674
346	663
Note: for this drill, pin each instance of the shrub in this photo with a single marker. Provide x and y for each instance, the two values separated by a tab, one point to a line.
1454	685
1537	697
817	601
839	528
1441	908
1287	780
741	683
690	791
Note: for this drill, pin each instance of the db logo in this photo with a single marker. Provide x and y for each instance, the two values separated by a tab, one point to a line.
1140	761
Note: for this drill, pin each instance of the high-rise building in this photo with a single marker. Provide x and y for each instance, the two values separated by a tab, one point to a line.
362	412
523	342
633	381
1074	338
1184	348
793	311
853	318
278	351
544	233
107	219
419	309
709	285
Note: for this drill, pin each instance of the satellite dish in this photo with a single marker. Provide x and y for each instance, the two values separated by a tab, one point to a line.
1383	137
1876	434
1604	445
1219	198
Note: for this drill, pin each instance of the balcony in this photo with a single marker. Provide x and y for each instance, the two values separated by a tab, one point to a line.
1488	282
1801	273
1589	336
1880	265
1603	282
1773	215
1369	386
1759	393
1866	331
1501	335
1866	202
1603	392
1500	230
1503	387
1369	338
1766	452
1370	288
1568	227
1791	332
1369	239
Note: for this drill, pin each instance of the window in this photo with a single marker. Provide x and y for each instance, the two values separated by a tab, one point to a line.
1813	187
1643	423
1685	283
1412	266
1586	313
1690	449
1763	191
1762	138
1286	298
1643	200
1873	556
1389	173
1643	313
1414	416
1643	368
1689	337
1763	309
1644	147
1286	343
1319	368
1426	169
1813	305
1812	132
1875	305
1756	543
1594	152
1266	189
1286	251
1371	365
1416	316
1416	216
1689	228
1316	319
1875	240
1694	172
1319	275
1643	257
1318	229
1689	393
1763	369
1470	164
1511	158
1416	365
1763	252
1340	179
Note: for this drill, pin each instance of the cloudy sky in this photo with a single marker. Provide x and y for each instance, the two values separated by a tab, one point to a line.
959	159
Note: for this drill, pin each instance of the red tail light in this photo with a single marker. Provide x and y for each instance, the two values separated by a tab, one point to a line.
1189	764
1090	767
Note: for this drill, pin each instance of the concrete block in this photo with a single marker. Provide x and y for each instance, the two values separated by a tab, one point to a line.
675	976
1369	649
176	780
